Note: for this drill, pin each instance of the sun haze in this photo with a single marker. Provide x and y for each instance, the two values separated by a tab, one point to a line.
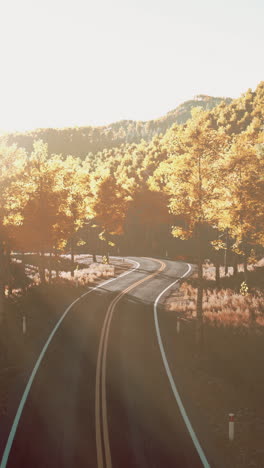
68	63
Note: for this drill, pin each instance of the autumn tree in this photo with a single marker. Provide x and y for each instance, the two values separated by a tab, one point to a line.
74	184
57	191
12	200
110	207
243	193
37	231
189	177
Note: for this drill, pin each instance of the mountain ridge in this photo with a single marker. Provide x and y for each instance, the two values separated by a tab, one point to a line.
80	141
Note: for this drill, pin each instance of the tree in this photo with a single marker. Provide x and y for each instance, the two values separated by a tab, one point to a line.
12	200
57	204
76	199
242	203
37	232
110	208
189	177
147	223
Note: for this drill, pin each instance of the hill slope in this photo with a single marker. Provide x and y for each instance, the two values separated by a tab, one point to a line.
79	141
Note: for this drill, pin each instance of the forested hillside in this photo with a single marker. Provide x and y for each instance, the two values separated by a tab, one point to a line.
197	190
80	141
134	164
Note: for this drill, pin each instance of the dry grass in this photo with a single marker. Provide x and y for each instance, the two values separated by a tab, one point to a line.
222	307
209	270
91	274
82	276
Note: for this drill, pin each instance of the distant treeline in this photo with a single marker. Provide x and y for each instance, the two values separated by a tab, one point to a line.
80	141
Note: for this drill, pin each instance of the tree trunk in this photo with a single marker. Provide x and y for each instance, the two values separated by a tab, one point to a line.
217	271
199	322
41	268
2	282
245	268
72	258
50	268
24	276
245	258
94	258
56	263
235	273
226	252
226	264
9	273
235	267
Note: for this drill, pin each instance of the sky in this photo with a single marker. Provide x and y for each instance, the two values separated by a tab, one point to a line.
70	63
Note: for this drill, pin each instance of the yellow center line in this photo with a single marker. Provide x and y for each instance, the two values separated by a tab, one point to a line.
100	404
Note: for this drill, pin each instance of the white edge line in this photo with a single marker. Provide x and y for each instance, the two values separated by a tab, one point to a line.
171	380
36	367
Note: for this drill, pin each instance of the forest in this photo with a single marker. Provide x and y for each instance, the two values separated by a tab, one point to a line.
194	192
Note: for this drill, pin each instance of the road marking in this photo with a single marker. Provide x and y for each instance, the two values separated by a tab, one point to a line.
171	380
101	422
39	360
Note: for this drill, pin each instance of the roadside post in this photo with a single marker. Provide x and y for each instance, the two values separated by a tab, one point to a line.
231	427
24	325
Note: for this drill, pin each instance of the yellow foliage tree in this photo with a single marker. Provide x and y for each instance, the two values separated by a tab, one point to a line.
189	177
243	193
110	207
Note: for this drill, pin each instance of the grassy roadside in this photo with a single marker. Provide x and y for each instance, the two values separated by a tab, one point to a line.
227	375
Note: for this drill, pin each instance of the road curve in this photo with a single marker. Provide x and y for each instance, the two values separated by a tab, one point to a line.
102	396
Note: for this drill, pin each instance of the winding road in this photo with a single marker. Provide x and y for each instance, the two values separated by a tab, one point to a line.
103	392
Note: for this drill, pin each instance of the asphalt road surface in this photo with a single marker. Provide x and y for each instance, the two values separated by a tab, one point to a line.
102	396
